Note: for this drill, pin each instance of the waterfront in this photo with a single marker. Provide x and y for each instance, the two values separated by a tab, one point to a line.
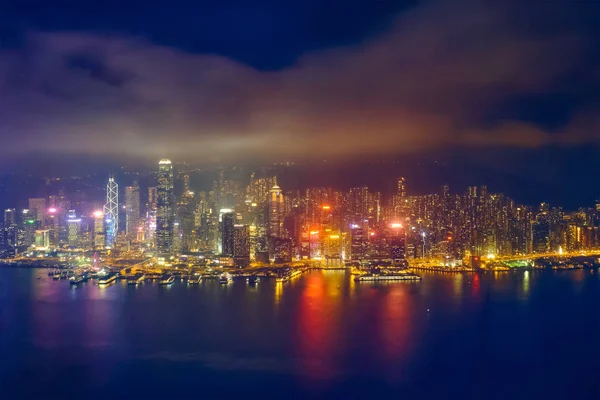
493	335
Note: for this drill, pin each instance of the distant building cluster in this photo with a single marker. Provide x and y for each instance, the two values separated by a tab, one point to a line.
240	222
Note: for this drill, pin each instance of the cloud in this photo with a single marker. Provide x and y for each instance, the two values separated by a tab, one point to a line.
430	82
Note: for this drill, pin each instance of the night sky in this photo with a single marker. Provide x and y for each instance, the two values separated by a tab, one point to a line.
511	86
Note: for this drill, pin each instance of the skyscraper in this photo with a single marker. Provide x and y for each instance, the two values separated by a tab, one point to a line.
74	226
99	238
38	207
132	211
164	209
27	229
276	212
227	232
241	245
10	227
111	212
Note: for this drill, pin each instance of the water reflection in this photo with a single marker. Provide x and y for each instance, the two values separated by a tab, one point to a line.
396	323
315	344
526	283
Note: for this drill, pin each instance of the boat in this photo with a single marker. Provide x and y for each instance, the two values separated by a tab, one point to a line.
79	278
107	278
194	280
136	279
225	278
286	276
167	280
253	279
387	277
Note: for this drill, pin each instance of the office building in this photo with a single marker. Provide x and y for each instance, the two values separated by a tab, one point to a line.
165	218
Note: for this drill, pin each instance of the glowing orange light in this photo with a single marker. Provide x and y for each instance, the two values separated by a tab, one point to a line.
98	214
326	207
372	233
334	236
314	232
396	225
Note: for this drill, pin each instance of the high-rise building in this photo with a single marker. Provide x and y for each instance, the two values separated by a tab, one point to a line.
282	250
38	208
241	245
42	238
74	227
99	238
227	233
56	218
401	187
165	219
152	198
132	211
276	212
359	243
11	228
187	221
111	212
397	243
27	229
151	207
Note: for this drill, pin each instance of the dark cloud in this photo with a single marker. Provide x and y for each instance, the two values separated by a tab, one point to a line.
433	81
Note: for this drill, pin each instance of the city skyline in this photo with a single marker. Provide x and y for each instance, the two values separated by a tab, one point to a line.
300	198
247	218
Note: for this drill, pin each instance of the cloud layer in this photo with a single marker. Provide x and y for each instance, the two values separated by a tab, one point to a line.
433	81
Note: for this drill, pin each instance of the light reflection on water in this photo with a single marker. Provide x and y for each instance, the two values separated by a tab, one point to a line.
321	327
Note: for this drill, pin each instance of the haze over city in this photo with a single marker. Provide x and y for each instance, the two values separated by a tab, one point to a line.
270	81
299	199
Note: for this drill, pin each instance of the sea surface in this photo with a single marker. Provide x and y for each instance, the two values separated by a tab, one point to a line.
509	335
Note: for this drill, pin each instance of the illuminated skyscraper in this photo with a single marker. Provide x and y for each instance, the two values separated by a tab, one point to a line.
227	232
111	212
401	187
241	245
359	243
132	211
10	227
38	207
27	229
99	239
276	212
165	221
42	238
186	221
151	217
397	243
73	226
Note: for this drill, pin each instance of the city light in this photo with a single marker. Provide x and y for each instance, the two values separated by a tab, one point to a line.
52	210
396	225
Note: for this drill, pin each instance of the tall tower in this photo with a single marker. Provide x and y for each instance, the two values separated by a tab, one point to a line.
132	210
74	227
276	212
99	238
164	209
227	233
241	245
111	212
38	207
